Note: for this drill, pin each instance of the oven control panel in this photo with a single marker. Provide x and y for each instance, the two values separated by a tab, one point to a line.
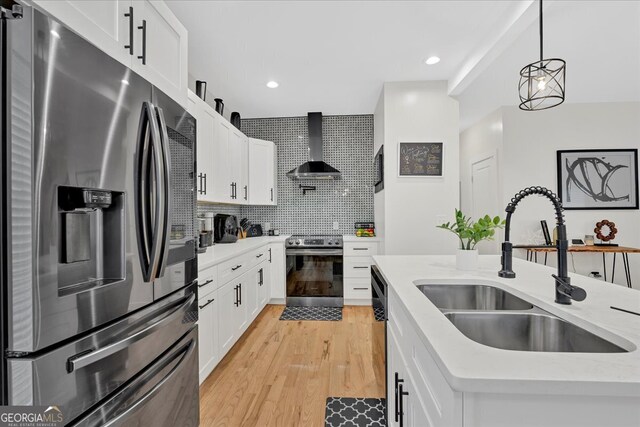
314	241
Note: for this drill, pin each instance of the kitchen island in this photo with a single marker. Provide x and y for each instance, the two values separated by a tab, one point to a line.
437	376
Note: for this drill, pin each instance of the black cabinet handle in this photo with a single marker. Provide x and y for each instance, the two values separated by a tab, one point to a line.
360	289
360	249
258	256
361	267
396	391
236	267
205	183
240	294
237	300
205	283
269	254
402	393
207	303
261	280
232	190
246	189
130	16
272	194
143	27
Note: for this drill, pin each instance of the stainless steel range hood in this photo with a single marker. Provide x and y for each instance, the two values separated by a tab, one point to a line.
315	168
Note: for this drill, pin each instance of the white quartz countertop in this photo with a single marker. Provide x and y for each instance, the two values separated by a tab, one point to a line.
473	367
221	252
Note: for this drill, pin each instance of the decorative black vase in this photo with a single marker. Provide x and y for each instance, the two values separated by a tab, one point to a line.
219	106
201	89
235	119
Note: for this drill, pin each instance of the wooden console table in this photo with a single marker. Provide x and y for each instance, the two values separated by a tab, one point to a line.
532	255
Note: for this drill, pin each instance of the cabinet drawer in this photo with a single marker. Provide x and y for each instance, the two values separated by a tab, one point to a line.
357	288
207	282
234	267
357	267
260	255
360	249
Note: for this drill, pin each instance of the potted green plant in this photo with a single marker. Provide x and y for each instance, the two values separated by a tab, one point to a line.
470	234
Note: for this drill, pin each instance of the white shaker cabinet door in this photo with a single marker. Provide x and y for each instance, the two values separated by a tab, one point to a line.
105	23
161	48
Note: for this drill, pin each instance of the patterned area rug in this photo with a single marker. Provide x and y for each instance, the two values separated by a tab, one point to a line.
312	313
355	412
378	313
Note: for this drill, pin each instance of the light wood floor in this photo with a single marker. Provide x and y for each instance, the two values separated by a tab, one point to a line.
281	372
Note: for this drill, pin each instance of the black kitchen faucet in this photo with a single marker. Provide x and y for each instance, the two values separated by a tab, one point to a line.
565	291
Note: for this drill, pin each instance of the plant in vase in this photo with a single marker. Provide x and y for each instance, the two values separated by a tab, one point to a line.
470	234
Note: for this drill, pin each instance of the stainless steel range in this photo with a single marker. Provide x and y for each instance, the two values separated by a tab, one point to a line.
315	271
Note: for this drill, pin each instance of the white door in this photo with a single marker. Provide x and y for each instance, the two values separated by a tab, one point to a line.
264	280
226	322
484	196
259	159
221	188
161	48
277	286
244	185
102	22
252	293
236	164
205	127
207	334
272	173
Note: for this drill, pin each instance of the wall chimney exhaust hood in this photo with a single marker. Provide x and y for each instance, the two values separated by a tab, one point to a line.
315	168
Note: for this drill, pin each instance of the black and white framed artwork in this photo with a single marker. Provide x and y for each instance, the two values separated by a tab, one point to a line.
598	179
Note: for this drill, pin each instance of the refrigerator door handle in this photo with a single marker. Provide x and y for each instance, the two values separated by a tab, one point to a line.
166	209
84	359
148	190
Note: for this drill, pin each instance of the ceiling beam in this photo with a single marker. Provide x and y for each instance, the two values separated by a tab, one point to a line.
494	44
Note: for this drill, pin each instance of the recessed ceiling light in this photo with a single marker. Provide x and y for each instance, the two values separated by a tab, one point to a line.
272	84
432	60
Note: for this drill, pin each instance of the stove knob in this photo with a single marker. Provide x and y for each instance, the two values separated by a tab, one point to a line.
297	242
330	242
290	242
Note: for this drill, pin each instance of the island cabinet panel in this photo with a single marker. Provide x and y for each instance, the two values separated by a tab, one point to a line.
533	410
431	401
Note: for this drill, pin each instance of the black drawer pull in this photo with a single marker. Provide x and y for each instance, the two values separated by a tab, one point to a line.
360	289
397	383
360	249
143	27
361	267
130	16
205	283
236	267
258	256
206	303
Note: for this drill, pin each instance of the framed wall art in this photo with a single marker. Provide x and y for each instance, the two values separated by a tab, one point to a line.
420	159
598	179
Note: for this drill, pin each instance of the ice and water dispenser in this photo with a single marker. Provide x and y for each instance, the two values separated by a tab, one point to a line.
91	246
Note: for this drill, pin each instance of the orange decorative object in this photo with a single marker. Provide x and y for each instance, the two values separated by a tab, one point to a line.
612	230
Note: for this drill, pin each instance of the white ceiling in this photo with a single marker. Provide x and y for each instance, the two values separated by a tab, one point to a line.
334	56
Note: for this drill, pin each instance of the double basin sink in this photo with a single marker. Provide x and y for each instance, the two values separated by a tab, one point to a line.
497	318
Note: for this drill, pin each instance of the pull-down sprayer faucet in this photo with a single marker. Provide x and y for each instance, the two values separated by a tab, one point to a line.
565	292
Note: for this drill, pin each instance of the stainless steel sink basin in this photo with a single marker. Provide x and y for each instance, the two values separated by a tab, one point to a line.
529	332
472	297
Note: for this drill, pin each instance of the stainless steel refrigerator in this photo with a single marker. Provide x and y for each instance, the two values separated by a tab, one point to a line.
98	234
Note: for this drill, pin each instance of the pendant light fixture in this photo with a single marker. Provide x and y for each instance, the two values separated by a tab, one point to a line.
542	82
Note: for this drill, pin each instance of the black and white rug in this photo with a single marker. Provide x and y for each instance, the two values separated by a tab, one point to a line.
312	313
355	412
378	313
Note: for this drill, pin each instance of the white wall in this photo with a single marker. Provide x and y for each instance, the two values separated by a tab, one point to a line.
529	144
419	112
378	198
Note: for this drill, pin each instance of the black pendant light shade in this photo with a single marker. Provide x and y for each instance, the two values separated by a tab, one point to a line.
542	82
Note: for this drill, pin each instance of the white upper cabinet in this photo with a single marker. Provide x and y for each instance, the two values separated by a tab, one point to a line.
143	35
160	48
222	189
205	130
105	23
262	175
237	168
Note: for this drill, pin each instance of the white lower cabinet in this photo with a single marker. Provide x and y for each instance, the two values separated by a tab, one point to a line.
418	394
227	312
207	334
357	271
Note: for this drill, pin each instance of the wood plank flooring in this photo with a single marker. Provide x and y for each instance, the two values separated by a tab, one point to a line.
281	372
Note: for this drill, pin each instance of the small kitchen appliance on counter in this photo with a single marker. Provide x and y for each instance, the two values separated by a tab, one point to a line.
225	228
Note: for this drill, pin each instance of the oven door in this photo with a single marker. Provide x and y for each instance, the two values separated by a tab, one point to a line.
315	277
378	294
